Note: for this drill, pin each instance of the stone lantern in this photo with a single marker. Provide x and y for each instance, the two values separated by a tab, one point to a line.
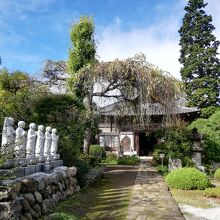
197	147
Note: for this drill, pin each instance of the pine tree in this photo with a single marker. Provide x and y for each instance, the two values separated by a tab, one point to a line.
201	67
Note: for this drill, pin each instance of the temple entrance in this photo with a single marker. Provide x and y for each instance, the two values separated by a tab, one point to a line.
146	144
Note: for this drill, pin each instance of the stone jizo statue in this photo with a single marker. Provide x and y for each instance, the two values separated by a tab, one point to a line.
54	144
30	147
20	140
8	137
11	131
4	132
48	141
40	141
8	131
31	140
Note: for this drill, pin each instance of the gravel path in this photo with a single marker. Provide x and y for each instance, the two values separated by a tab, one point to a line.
193	213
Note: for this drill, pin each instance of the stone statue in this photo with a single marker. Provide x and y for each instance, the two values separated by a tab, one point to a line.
4	132
40	141
8	132
20	140
174	164
48	141
11	131
54	144
31	140
4	147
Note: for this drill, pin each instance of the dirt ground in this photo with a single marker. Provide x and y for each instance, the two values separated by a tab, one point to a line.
121	176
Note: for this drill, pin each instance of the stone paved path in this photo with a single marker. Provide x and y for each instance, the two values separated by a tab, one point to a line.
150	198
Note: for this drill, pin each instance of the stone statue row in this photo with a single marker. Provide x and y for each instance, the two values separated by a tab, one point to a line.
29	144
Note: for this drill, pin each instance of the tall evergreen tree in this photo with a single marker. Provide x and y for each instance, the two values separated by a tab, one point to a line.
201	67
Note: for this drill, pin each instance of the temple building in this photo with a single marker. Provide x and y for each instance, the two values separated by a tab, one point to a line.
133	138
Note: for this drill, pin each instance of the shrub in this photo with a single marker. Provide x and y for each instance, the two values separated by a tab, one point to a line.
82	170
187	179
217	174
211	133
176	145
124	160
208	111
128	160
91	160
161	169
211	150
212	192
97	151
111	159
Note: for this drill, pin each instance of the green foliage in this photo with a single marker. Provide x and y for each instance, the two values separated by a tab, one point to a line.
84	48
82	52
62	216
111	159
210	128
67	115
212	192
91	160
187	179
208	111
82	170
128	160
201	67
176	144
13	82
162	169
217	174
2	160
123	160
97	151
18	94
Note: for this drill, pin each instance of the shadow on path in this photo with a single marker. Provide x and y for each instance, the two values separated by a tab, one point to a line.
107	199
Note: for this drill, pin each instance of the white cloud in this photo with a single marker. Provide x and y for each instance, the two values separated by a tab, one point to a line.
14	55
159	42
159	45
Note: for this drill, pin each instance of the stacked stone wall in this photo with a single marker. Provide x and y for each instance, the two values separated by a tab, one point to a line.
35	195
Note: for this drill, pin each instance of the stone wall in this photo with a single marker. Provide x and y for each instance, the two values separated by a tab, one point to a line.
35	195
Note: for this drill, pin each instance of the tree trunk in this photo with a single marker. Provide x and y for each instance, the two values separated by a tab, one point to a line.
88	130
87	140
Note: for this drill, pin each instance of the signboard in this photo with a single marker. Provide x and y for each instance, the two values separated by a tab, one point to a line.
162	155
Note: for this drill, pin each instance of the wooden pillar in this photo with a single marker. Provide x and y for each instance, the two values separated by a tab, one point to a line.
136	142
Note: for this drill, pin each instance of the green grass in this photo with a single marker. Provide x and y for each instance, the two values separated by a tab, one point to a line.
63	216
162	170
212	192
194	198
112	159
101	201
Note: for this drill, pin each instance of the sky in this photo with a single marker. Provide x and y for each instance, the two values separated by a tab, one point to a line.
32	31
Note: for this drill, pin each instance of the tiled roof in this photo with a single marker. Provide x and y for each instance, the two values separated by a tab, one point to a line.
149	109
